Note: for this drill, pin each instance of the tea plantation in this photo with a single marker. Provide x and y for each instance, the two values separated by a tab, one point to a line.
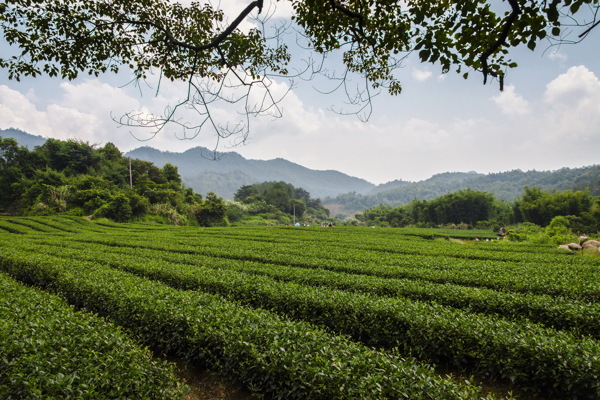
292	312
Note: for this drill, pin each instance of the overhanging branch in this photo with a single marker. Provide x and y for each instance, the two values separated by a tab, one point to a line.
216	41
588	30
512	17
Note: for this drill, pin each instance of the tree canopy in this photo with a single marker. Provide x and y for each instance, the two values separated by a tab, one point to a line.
79	179
282	197
198	45
469	208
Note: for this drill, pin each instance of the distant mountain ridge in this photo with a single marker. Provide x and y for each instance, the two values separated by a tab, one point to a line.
23	138
224	173
503	185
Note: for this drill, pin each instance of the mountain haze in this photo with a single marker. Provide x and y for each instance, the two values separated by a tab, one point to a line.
506	186
224	173
23	138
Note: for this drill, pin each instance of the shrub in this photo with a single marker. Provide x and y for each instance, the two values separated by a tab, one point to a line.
51	351
168	213
118	209
525	231
558	230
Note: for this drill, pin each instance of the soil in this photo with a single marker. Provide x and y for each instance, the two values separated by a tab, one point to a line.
207	385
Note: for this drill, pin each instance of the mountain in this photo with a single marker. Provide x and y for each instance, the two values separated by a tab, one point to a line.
23	138
441	180
506	186
223	173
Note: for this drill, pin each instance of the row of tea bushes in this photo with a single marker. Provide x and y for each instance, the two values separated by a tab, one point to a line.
285	359
558	313
533	357
563	277
50	351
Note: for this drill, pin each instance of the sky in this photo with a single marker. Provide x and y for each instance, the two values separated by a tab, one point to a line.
547	118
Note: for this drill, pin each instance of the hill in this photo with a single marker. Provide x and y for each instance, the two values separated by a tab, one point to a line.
506	186
23	138
223	173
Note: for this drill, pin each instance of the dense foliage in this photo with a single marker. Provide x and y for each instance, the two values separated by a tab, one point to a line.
507	186
469	208
253	303
76	178
281	202
540	208
66	38
51	351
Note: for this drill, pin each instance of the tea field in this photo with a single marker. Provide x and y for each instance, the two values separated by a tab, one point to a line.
292	312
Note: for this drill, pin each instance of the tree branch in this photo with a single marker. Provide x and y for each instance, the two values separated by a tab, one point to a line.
588	30
516	11
216	41
337	6
358	32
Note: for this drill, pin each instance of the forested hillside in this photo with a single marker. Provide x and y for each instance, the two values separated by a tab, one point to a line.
76	178
578	211
506	186
23	138
223	173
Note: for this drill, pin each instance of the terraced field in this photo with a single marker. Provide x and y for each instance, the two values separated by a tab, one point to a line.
299	313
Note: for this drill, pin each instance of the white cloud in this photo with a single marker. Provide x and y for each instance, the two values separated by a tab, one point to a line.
82	110
511	103
557	56
421	75
573	105
574	86
17	111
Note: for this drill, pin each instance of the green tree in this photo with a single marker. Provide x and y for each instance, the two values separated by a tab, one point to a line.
118	209
246	193
187	43
91	193
298	208
71	157
235	211
12	172
171	173
465	206
110	152
273	197
89	181
145	173
540	207
212	211
37	191
280	195
191	197
558	230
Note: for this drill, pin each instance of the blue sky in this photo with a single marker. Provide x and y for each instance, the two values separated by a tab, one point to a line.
548	117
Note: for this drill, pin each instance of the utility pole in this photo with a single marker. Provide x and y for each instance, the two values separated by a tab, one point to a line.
130	176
